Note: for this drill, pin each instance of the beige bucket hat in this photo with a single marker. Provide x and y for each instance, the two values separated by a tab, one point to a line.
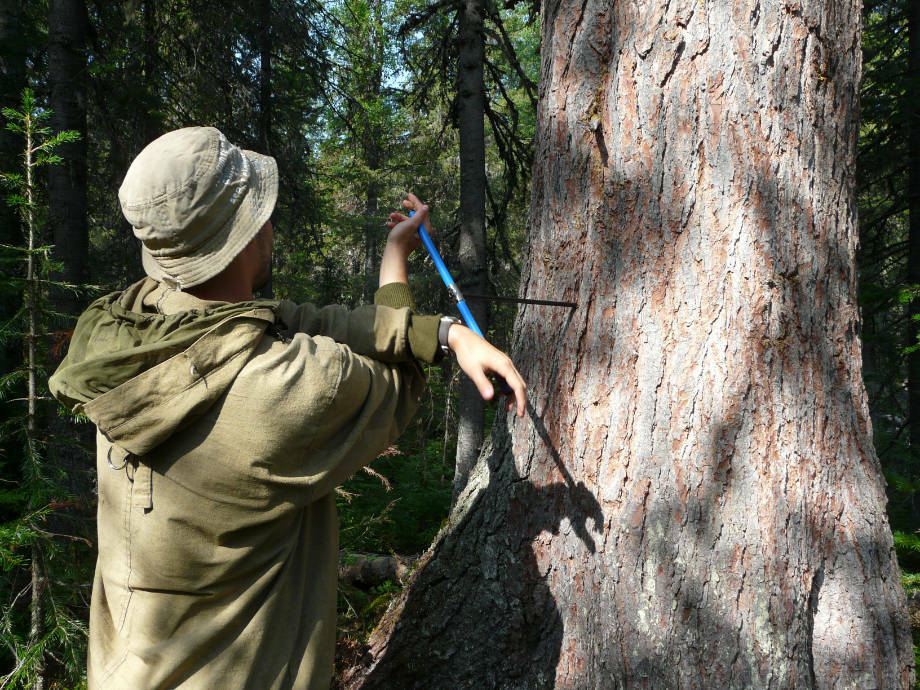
195	201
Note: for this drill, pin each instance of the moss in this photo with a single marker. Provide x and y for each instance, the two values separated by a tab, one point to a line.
911	582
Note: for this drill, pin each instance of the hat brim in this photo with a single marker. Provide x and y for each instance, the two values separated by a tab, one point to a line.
216	254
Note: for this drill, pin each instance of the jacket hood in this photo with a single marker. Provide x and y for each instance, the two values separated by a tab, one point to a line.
140	375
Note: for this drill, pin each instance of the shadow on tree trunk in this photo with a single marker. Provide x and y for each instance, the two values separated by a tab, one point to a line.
480	584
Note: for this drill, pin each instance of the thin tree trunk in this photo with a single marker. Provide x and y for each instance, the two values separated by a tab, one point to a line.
32	303
694	499
371	149
150	126
372	227
67	26
265	76
372	222
36	629
913	261
266	110
472	255
12	81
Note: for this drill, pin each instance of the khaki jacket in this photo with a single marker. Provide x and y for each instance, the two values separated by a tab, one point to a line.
217	528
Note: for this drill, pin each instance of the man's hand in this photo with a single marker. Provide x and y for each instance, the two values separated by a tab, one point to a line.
402	241
479	359
474	354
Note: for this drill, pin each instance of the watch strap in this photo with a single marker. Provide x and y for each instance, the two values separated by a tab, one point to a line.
443	327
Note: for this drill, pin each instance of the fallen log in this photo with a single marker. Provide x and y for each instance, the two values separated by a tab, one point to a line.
366	570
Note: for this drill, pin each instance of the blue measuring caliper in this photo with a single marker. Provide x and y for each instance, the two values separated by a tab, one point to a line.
465	312
462	306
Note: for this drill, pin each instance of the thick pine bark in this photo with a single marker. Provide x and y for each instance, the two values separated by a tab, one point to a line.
473	273
694	500
67	25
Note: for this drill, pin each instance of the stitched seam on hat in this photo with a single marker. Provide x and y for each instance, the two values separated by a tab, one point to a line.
153	201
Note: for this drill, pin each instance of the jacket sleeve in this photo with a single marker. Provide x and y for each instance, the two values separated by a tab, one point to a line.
330	411
372	405
389	331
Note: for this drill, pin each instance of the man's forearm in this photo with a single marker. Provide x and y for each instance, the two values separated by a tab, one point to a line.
402	241
393	266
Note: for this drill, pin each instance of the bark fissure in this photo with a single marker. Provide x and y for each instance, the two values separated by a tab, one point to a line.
678	51
574	35
813	598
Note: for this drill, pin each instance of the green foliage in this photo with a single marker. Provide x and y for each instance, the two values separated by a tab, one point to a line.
397	509
158	66
888	295
42	542
404	518
907	546
400	508
911	583
906	295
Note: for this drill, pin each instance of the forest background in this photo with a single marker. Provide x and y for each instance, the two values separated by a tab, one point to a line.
359	101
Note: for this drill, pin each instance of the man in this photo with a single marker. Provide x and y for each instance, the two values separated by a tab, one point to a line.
224	425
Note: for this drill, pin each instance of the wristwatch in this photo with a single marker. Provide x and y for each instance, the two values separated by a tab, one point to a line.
443	327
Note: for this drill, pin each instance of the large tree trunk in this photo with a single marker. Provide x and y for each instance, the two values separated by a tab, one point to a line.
473	274
67	26
694	500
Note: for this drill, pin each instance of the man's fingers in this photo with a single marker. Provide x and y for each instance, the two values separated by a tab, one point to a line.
396	219
414	204
520	392
415	201
486	390
509	373
478	359
513	378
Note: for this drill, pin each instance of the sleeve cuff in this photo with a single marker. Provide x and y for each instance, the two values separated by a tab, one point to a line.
423	337
396	295
423	329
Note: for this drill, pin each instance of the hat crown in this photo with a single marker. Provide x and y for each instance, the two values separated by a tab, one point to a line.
182	188
195	201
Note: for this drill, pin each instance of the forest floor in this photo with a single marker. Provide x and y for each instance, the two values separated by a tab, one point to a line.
912	589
